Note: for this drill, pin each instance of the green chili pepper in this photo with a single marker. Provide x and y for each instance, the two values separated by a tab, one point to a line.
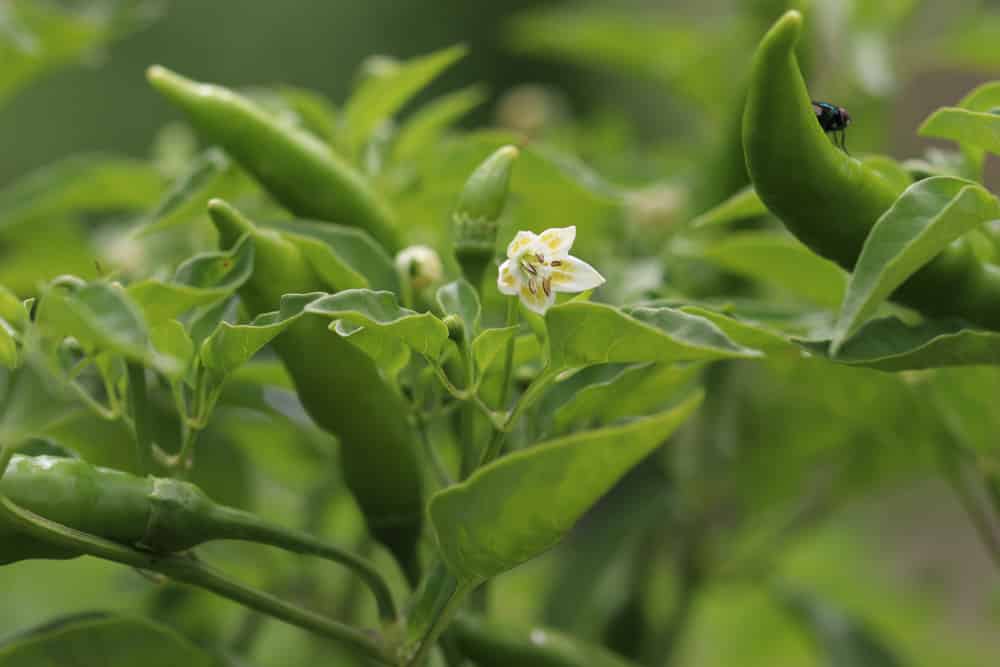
302	172
155	514
341	389
830	200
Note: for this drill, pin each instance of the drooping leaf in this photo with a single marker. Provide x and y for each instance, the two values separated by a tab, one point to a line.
200	281
980	129
459	298
777	259
427	124
119	641
741	206
745	332
887	344
379	311
581	334
382	94
345	257
921	223
391	355
518	507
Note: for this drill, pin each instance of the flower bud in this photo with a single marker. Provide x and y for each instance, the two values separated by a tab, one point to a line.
419	265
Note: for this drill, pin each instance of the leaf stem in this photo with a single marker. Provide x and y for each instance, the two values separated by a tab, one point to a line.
141	426
186	569
442	619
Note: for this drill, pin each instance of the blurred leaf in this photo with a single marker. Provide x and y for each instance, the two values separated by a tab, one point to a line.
490	343
79	184
741	206
380	312
171	340
634	390
979	129
37	36
382	94
843	640
426	125
345	257
970	44
744	332
776	259
491	522
316	113
581	334
210	174
119	640
391	355
459	298
894	172
9	356
200	281
920	224
982	98
890	345
31	401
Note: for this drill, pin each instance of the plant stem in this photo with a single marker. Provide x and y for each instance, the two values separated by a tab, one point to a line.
187	570
441	620
139	404
981	520
508	362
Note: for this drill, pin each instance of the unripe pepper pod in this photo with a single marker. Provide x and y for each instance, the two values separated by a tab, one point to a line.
831	201
304	174
479	207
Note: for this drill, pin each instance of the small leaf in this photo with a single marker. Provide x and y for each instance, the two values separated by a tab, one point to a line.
201	281
31	401
345	257
490	343
520	506
382	94
888	344
461	299
979	129
118	640
172	341
381	312
920	224
741	206
210	174
391	355
232	345
843	640
982	98
581	334
426	125
9	356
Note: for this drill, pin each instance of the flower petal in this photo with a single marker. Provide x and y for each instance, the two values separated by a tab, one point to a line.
535	298
521	241
558	240
575	275
508	281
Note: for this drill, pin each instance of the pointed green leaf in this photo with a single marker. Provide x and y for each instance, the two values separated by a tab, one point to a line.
982	98
382	94
581	334
119	641
518	507
202	280
980	129
888	344
232	345
490	343
426	125
345	257
380	311
920	224
210	174
777	259
742	205
172	341
460	298
32	400
391	355
634	390
12	309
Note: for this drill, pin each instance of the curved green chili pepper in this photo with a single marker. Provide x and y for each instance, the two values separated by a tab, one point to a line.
155	514
302	172
829	200
341	389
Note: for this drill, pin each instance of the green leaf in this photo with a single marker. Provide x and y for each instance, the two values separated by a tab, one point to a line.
744	332
979	129
210	174
888	344
80	184
12	309
232	345
490	343
890	169
119	641
9	356
391	355
634	390
315	112
842	639
520	506
920	224
344	257
426	125
461	299
741	206
200	281
382	94
172	341
31	401
777	259
982	98
380	311
581	334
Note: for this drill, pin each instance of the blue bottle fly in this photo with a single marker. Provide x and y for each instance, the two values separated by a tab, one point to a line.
834	120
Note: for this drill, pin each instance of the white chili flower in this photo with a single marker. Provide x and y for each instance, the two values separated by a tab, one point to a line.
538	266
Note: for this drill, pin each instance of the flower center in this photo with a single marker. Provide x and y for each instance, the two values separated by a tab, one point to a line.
536	271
